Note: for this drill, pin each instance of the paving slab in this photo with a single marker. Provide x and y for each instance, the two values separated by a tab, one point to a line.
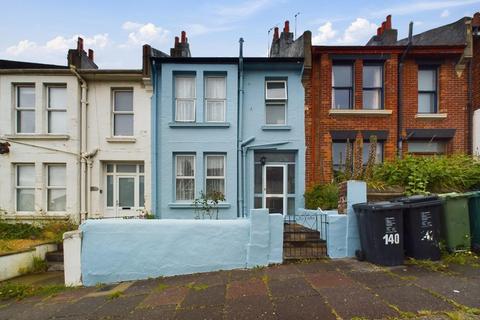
162	312
310	307
329	279
83	307
316	266
465	270
250	287
213	278
250	308
350	302
143	286
410	298
285	271
376	279
117	308
290	287
210	296
204	313
169	296
38	312
462	291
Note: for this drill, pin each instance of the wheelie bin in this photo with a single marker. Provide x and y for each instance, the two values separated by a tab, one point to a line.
381	232
474	213
455	221
421	216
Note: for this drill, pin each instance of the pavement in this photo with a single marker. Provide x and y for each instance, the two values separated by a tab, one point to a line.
325	289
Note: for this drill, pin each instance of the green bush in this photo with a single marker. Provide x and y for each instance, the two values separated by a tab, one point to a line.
10	231
322	196
423	175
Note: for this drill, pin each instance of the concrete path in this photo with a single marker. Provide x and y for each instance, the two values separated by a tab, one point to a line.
344	289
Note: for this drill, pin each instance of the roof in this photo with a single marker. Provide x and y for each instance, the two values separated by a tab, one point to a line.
10	64
450	34
225	60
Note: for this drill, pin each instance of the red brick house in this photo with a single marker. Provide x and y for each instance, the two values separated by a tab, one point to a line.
413	95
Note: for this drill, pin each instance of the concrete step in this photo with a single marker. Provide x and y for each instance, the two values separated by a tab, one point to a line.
54	266
297	253
55	256
301	236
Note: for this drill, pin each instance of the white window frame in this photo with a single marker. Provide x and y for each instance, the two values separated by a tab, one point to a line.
224	177
18	108
194	99
276	81
115	174
114	112
48	187
17	187
224	100
185	177
49	110
276	102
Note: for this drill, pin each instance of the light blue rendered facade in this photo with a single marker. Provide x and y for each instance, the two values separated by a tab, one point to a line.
261	137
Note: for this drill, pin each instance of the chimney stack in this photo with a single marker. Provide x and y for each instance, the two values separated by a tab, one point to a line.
181	47
286	29
90	54
184	37
276	35
388	22
385	34
80	44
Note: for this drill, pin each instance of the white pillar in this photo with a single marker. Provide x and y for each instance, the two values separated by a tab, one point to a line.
72	263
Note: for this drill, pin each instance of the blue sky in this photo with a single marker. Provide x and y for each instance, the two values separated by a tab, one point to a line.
41	31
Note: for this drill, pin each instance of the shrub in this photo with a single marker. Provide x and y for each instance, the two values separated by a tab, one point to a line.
322	196
422	175
10	231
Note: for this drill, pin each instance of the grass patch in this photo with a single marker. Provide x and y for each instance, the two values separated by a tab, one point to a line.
161	287
462	258
51	231
39	265
10	290
437	266
197	287
114	295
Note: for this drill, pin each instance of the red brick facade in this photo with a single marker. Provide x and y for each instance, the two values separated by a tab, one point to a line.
320	121
476	72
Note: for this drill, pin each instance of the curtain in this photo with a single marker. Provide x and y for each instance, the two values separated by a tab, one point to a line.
185	110
185	166
215	88
216	111
215	166
185	87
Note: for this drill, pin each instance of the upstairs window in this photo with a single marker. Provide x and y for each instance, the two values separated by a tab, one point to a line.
215	98
25	108
185	98
185	177
342	87
123	112
373	87
57	109
427	90
276	102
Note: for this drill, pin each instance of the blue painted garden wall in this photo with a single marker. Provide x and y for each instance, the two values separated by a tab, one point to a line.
199	138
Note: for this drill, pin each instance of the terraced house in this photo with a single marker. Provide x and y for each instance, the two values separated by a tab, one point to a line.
413	94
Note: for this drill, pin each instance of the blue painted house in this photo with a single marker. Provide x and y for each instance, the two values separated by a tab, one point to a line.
230	125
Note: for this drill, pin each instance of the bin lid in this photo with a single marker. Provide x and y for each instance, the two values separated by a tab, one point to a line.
377	206
473	194
424	204
417	198
452	195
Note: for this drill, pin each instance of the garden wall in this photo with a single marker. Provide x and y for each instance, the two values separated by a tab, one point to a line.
114	250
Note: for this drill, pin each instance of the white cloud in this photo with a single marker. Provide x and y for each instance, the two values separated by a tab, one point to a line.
243	9
358	32
199	29
325	33
21	47
445	13
415	7
145	33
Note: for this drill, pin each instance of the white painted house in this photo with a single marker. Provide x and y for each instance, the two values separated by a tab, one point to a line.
78	140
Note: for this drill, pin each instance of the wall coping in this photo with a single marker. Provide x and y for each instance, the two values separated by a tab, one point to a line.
359	112
431	115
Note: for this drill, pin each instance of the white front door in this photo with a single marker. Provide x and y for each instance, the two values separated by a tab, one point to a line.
125	204
274	188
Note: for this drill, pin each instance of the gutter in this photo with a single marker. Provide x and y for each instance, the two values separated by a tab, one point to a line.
83	143
400	93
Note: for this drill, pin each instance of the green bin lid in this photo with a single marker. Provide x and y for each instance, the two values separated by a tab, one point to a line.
472	194
452	195
378	206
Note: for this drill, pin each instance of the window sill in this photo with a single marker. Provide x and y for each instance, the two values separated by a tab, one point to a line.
431	115
359	112
38	136
121	140
186	205
199	124
278	127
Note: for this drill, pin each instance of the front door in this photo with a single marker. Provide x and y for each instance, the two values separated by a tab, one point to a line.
125	205
274	188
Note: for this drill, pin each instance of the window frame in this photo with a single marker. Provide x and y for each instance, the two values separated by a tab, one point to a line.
351	88
207	99
276	101
139	172
50	110
114	112
435	69
17	186
224	177
381	88
444	145
48	187
18	109
194	99
185	177
267	81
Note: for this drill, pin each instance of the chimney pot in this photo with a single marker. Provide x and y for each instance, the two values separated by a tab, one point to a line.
275	34
184	37
90	54
379	31
177	40
476	19
388	24
80	44
286	29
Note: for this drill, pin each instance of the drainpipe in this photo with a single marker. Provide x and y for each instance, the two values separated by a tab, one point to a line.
155	196
89	158
400	92
240	158
83	143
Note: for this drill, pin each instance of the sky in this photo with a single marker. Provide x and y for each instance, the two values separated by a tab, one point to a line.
42	31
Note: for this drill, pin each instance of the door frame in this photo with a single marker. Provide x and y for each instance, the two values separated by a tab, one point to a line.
274	195
119	211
